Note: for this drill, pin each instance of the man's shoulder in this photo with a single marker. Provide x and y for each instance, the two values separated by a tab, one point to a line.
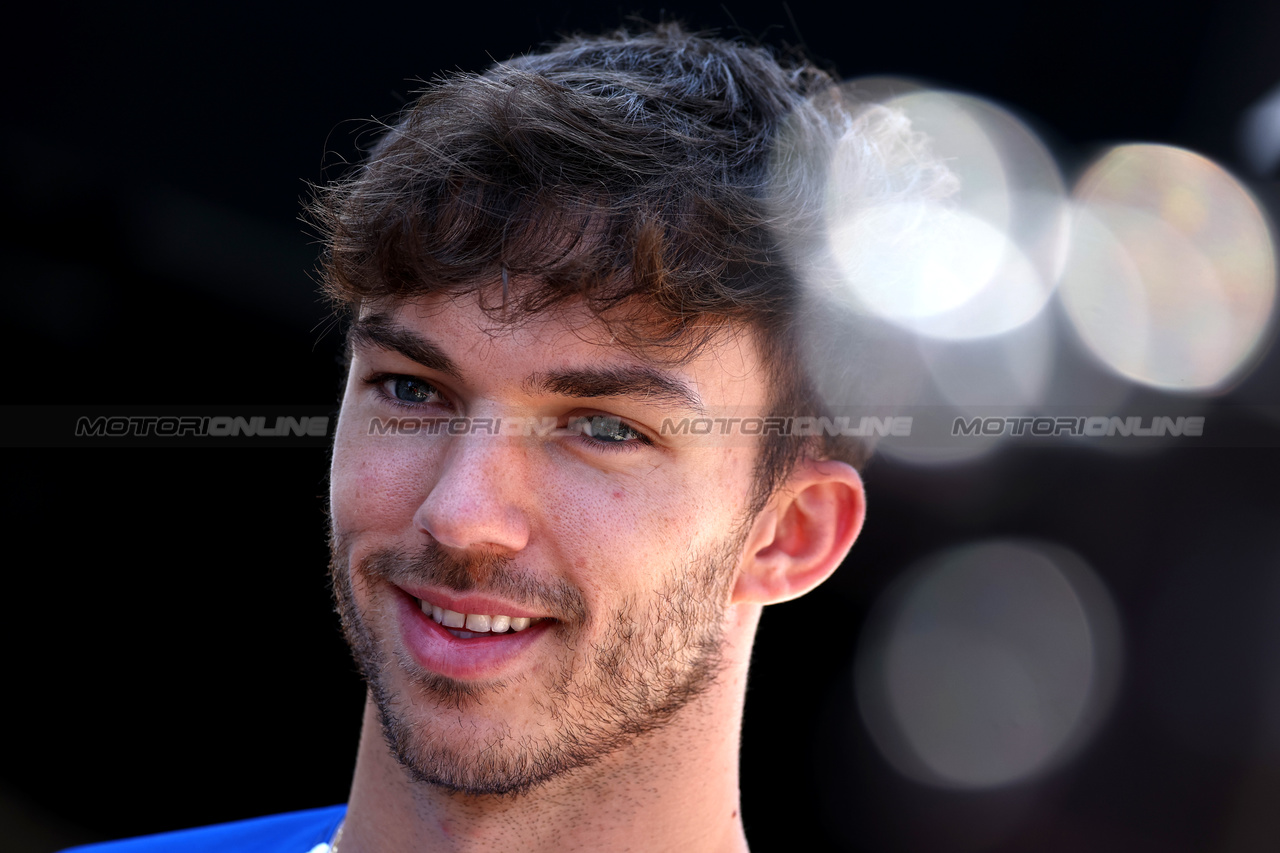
292	832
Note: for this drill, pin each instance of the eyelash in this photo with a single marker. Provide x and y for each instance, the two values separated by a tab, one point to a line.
379	381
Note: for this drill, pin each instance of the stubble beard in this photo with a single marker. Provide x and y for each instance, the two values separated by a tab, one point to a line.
653	659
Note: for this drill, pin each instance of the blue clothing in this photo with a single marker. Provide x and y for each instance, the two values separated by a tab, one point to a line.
293	832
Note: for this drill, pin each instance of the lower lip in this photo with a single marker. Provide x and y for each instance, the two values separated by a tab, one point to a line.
434	648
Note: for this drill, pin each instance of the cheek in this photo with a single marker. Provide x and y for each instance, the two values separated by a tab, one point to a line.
736	483
604	532
374	484
627	537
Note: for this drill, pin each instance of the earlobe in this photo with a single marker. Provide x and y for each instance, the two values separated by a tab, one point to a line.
803	534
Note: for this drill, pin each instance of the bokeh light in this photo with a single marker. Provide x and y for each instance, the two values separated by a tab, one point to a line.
1171	276
1010	371
988	664
978	263
1260	134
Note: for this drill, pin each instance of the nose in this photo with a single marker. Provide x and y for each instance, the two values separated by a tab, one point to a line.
476	502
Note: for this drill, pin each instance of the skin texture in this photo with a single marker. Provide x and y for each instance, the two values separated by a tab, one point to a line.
614	725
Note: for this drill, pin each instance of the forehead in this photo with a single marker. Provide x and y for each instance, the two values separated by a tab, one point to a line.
457	335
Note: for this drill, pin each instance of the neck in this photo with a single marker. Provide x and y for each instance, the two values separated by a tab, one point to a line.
672	789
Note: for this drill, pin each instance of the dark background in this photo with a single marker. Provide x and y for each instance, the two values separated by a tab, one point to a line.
172	657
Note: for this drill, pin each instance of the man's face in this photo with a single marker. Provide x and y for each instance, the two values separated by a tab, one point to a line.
548	575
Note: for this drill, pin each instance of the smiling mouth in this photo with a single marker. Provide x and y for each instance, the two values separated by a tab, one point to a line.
466	626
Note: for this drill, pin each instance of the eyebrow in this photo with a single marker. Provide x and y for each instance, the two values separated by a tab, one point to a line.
638	383
378	330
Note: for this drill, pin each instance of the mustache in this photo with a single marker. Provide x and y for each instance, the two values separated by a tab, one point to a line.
496	574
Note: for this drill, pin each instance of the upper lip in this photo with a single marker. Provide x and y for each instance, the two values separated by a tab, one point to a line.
471	603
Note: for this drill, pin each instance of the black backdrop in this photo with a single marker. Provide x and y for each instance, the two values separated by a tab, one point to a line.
172	658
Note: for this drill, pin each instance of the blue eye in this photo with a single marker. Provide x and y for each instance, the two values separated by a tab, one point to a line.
406	389
606	429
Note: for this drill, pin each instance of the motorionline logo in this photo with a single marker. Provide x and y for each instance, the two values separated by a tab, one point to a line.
177	426
1095	426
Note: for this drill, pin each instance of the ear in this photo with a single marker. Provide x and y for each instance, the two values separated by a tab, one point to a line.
803	533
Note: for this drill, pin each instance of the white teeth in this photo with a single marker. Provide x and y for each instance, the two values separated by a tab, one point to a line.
474	624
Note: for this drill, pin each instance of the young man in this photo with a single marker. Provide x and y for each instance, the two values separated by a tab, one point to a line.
549	584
